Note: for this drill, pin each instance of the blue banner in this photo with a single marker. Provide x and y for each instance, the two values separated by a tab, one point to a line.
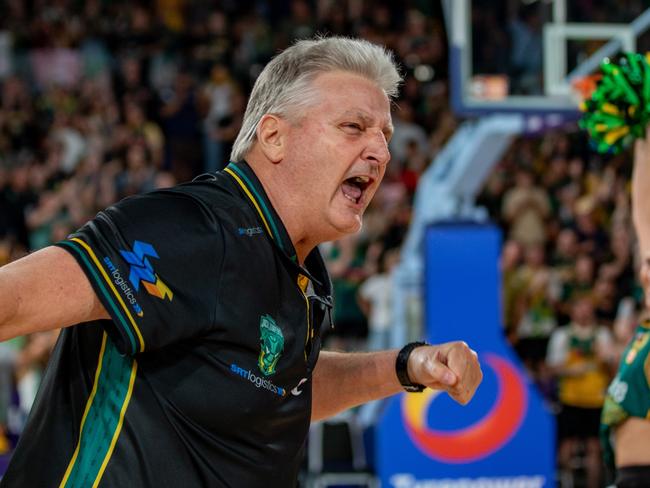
504	437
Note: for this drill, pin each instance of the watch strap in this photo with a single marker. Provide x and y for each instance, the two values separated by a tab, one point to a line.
401	367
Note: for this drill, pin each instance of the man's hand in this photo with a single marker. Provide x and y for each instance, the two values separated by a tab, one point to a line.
452	367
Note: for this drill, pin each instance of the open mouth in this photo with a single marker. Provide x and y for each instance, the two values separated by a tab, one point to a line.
354	187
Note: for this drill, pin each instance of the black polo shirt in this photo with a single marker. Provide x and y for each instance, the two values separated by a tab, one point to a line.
202	377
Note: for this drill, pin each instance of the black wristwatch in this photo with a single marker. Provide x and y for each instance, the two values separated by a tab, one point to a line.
401	368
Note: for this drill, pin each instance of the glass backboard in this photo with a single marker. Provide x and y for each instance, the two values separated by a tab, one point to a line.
535	57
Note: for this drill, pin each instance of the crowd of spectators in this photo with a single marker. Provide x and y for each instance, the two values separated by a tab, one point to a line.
570	290
101	100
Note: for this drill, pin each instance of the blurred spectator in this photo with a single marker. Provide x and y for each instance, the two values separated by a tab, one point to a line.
625	323
29	368
15	197
592	238
487	57
511	257
181	125
416	162
580	355
525	208
491	198
345	262
526	50
605	301
68	141
131	86
228	126
141	130
406	132
9	352
139	175
217	96
333	18
215	42
375	299
618	266
554	178
300	25
564	255
534	305
580	282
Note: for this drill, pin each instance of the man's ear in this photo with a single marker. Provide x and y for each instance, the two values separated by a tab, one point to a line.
271	137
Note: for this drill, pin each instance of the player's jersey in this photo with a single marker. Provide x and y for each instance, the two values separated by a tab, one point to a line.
629	393
203	376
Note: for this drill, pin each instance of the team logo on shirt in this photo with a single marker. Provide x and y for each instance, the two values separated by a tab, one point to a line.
141	270
271	345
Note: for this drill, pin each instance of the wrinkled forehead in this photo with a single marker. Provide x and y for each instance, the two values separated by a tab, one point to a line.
337	81
351	94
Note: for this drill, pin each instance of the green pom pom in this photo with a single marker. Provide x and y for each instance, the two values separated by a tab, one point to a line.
619	108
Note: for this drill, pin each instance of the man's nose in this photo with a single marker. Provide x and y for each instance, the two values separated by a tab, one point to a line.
377	149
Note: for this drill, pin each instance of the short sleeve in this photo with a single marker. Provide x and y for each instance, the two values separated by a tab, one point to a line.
557	348
154	262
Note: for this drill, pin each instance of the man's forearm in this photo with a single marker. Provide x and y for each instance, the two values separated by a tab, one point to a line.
43	291
344	380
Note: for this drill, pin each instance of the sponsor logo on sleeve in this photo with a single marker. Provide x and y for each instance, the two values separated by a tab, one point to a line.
142	272
123	286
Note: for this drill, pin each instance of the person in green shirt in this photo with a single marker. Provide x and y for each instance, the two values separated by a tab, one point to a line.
625	422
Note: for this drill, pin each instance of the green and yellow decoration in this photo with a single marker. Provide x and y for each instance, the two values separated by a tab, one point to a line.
619	108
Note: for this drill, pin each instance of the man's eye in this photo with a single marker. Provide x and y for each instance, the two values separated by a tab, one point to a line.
352	125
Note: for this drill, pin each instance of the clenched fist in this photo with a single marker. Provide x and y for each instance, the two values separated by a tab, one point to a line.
452	367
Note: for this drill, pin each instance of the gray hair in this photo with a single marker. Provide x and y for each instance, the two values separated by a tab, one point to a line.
284	86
